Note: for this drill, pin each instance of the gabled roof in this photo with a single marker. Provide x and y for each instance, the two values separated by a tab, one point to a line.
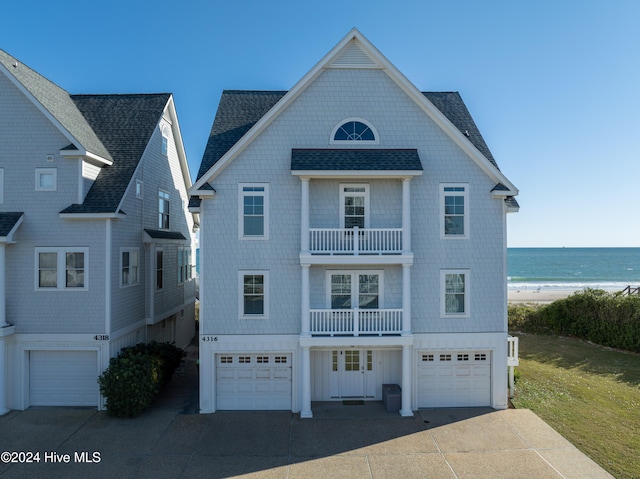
354	51
56	103
125	124
237	112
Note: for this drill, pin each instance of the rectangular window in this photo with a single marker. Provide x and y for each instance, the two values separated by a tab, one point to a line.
355	206
454	206
139	189
254	288
129	266
165	145
61	269
164	207
184	264
455	293
254	211
46	179
350	289
159	269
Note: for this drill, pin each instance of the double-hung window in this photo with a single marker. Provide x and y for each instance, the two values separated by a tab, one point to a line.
184	264
61	269
355	289
253	208
454	211
164	207
454	285
159	269
254	294
129	266
354	200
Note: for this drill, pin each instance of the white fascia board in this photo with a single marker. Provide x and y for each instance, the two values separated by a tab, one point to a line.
91	216
357	341
343	260
177	135
40	106
356	174
202	193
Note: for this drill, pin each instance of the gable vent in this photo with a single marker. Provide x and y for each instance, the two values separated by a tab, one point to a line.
353	56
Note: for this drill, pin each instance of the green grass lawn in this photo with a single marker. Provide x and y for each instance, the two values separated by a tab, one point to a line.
588	393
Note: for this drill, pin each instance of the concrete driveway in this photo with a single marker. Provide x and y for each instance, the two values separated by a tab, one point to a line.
171	441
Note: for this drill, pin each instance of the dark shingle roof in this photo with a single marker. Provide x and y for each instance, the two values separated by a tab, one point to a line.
57	102
125	124
355	159
451	105
237	112
169	235
8	221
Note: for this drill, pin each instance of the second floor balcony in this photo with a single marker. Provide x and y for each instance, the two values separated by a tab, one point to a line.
355	241
355	322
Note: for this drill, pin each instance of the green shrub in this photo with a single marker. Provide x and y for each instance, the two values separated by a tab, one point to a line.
134	378
609	319
130	383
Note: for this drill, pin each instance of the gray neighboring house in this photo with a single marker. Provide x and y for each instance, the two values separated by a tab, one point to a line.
96	240
353	234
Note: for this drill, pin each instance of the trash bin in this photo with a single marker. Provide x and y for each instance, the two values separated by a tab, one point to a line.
391	397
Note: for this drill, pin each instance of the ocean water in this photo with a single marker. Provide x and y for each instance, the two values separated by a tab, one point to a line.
611	269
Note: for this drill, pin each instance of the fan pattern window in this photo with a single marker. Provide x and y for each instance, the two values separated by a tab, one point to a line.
354	130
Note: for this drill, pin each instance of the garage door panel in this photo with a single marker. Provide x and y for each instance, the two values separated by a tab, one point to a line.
454	379
63	378
253	382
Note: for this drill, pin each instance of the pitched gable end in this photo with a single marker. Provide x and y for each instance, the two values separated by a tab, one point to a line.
353	56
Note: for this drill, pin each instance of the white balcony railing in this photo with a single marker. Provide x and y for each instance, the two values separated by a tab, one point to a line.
355	241
342	321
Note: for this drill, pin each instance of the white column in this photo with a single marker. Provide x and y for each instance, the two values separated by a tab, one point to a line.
305	410
3	306
4	331
304	220
406	215
406	299
406	382
305	329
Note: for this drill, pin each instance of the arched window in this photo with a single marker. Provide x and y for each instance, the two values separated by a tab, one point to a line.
354	129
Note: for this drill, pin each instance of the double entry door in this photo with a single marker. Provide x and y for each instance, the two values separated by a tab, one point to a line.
352	373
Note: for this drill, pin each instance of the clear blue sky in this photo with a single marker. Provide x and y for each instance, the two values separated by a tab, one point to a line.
554	85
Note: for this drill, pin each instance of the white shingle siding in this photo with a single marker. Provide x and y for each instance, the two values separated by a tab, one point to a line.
335	95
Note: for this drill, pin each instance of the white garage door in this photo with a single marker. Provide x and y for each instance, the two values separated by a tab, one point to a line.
63	378
247	382
454	379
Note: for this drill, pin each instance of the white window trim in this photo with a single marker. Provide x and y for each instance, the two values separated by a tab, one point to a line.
61	267
155	269
467	293
139	189
355	293
241	275
164	147
241	195
129	250
184	258
354	142
168	199
464	194
343	194
41	171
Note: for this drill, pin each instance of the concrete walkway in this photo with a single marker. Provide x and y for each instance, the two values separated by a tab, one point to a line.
171	441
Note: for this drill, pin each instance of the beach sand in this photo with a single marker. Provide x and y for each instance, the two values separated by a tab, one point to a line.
538	296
